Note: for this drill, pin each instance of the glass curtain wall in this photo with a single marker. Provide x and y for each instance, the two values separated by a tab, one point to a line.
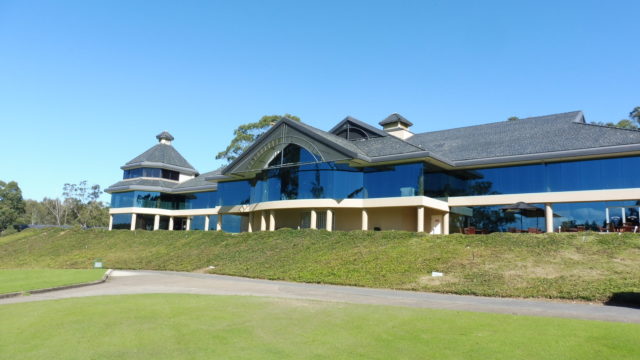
568	217
322	181
618	173
157	200
151	173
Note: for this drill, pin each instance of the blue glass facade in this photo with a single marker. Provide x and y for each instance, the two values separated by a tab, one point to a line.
617	173
322	181
567	217
157	200
152	173
121	221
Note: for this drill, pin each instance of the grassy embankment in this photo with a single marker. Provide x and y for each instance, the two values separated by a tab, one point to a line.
583	266
166	326
14	280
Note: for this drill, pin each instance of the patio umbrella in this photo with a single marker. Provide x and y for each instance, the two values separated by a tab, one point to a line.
525	209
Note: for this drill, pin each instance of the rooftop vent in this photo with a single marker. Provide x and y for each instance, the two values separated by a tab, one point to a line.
164	138
396	125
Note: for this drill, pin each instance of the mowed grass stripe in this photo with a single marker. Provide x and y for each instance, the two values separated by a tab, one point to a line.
165	326
17	280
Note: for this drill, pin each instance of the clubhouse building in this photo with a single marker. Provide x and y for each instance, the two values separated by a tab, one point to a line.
356	176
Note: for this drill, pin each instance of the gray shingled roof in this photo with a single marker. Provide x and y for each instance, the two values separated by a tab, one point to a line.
525	137
161	154
388	145
349	145
395	117
142	184
198	183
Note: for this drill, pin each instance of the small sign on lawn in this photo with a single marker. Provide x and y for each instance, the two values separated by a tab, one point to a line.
97	264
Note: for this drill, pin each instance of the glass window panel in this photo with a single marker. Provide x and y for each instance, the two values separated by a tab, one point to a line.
201	200
234	192
197	223
121	221
213	222
392	181
232	223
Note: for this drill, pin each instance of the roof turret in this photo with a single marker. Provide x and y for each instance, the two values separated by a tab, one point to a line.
165	138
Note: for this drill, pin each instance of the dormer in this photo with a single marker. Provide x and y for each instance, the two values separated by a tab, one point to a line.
396	125
353	129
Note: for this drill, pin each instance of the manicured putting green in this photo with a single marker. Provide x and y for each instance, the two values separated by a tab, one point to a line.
15	280
170	326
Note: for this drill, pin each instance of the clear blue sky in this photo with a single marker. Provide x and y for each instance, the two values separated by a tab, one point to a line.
86	85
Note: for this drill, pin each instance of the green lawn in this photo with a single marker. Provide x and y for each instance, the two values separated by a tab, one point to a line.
15	280
164	326
585	266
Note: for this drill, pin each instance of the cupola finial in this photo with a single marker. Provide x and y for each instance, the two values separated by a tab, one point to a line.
164	138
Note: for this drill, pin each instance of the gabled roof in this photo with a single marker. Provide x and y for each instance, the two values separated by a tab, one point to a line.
395	117
164	156
351	121
334	147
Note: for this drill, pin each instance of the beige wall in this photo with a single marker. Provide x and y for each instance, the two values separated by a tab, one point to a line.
397	218
348	219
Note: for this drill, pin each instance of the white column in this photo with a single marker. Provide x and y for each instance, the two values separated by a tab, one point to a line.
110	222
365	220
272	220
548	217
250	224
420	215
219	223
624	216
206	223
188	223
329	220
171	223
156	222
263	221
133	222
445	223
313	220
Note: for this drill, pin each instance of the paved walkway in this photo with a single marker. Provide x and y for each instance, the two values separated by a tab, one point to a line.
148	282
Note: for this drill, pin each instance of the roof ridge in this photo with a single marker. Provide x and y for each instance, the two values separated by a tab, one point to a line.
609	127
500	122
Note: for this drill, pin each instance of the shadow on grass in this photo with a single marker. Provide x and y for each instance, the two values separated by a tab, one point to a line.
626	299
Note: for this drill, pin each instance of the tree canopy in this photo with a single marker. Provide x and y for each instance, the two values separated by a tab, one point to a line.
246	134
632	123
11	204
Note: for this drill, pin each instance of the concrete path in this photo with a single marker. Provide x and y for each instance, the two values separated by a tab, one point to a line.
149	282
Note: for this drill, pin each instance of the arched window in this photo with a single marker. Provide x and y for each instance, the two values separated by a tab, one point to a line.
353	133
292	154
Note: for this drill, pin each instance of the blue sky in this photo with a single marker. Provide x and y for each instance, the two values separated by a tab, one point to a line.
86	85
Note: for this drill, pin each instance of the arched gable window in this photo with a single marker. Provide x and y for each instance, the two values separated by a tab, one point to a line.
292	154
353	133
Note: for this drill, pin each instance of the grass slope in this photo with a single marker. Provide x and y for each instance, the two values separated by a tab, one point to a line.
584	266
14	280
220	327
